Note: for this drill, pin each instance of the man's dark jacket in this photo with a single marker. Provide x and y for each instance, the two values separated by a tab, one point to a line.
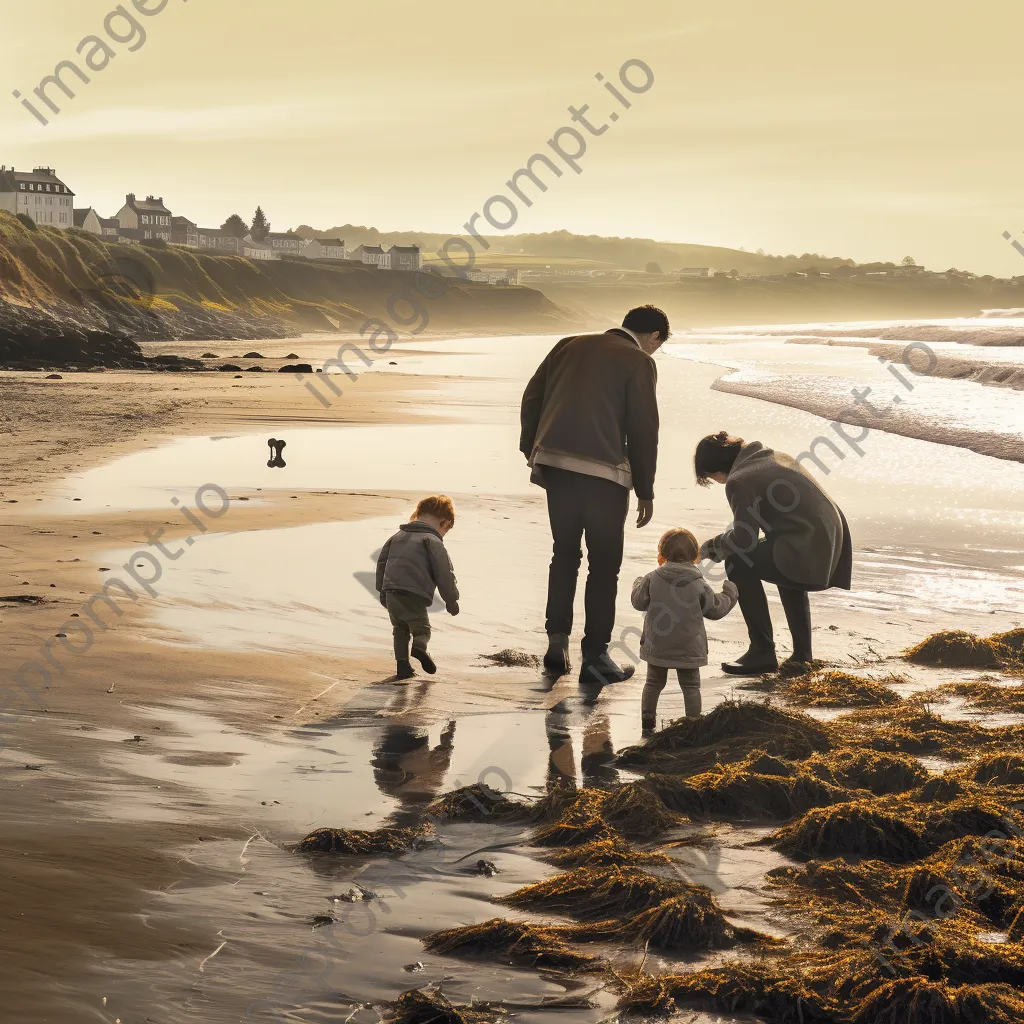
594	401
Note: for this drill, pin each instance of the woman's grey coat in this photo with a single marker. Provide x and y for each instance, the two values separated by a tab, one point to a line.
770	494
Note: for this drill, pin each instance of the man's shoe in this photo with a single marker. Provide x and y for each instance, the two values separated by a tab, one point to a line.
425	660
405	670
603	671
556	660
753	663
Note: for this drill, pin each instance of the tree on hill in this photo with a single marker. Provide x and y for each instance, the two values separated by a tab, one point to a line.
260	225
909	261
235	226
653	268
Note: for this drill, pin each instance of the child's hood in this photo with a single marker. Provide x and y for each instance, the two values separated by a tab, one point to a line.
417	527
672	571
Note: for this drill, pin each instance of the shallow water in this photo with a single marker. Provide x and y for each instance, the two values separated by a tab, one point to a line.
375	761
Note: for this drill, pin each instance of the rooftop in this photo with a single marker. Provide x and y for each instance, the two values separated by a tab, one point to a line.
10	178
151	204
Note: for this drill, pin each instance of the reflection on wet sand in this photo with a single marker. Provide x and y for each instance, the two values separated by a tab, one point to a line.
597	755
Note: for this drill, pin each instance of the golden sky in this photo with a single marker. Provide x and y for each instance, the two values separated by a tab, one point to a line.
862	129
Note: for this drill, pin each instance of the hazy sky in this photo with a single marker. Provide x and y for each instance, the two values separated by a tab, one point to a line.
868	129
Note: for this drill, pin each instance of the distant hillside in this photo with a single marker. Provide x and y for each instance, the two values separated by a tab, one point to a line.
723	300
71	288
616	253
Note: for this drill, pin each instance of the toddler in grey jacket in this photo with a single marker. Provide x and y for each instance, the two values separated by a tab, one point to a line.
411	565
677	599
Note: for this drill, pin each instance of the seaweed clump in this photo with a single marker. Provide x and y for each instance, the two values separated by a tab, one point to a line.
593	815
476	803
579	822
916	730
837	689
729	733
1012	638
919	999
856	828
357	841
597	894
760	789
510	657
424	1007
637	810
999	770
736	987
876	771
693	921
956	648
515	941
607	853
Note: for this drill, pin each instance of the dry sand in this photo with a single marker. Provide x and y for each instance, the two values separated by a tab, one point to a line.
88	844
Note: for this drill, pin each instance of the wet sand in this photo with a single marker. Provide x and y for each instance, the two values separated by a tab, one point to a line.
153	789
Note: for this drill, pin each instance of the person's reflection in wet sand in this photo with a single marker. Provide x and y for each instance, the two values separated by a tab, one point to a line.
404	764
561	762
597	757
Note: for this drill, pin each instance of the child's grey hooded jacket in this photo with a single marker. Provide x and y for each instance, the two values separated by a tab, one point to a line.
415	561
677	600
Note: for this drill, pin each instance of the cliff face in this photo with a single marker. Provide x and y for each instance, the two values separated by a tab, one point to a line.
67	297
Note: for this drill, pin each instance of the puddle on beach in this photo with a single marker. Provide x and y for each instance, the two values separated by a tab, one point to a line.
376	761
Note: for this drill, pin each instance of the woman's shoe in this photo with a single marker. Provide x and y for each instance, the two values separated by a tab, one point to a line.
753	663
405	670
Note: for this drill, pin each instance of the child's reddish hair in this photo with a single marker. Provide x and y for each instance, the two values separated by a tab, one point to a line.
438	505
679	545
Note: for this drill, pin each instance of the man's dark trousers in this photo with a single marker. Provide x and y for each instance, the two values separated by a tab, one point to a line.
585	506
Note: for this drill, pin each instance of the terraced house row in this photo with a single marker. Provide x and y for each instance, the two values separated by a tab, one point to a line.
43	198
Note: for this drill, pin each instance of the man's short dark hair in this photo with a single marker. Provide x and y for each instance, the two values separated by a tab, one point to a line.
648	320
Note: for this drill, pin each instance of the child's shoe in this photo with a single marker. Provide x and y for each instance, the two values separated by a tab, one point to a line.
420	654
405	670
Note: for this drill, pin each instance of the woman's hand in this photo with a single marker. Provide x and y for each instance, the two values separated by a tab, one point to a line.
709	551
644	512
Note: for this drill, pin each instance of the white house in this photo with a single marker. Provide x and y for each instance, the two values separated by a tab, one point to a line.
325	249
185	232
149	217
405	257
697	272
218	240
38	194
372	256
253	250
89	220
285	243
496	277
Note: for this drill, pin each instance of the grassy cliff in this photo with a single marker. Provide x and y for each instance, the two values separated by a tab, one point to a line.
70	287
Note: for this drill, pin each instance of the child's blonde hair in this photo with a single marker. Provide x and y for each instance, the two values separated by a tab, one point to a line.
678	545
438	505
